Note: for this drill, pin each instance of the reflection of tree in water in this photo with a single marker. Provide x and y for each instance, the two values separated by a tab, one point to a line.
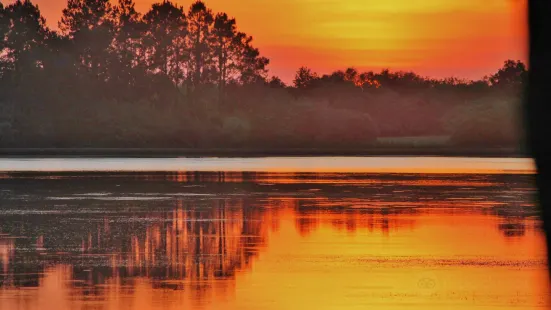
7	249
514	220
513	228
18	269
309	216
190	243
183	245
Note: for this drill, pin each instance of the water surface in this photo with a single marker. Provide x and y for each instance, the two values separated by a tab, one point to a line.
270	240
277	164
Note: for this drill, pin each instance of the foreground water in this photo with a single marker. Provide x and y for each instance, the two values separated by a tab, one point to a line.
234	240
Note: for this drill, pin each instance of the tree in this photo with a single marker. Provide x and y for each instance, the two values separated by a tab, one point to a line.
276	82
253	66
127	45
89	24
351	74
513	73
367	80
4	26
400	81
304	78
336	77
24	35
226	51
164	40
200	38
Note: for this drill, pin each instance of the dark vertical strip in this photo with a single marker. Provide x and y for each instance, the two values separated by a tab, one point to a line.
538	101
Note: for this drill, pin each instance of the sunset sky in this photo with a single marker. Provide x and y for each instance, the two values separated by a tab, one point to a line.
462	38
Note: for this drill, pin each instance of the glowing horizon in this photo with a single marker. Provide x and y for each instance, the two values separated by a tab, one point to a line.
438	38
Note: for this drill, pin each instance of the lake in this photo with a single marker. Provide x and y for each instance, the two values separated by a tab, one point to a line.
270	233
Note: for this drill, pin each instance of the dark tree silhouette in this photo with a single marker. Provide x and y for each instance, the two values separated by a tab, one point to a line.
367	80
201	65
338	76
164	40
129	55
253	66
226	50
513	73
276	82
174	78
90	26
25	34
4	26
351	74
304	78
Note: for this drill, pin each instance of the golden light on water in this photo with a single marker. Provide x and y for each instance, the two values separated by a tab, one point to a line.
425	241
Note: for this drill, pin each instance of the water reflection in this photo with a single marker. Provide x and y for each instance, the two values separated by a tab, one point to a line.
156	241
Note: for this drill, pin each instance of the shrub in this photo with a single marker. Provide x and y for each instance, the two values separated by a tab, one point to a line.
327	127
236	129
486	122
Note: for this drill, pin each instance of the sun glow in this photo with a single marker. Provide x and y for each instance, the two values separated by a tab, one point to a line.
469	38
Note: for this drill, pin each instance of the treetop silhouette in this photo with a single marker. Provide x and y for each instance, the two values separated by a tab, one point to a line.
111	76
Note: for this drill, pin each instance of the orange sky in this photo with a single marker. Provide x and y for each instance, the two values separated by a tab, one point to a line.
463	38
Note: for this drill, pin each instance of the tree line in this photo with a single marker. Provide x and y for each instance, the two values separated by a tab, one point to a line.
109	75
512	75
114	48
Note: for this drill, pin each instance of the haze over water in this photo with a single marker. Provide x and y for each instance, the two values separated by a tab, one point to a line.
271	240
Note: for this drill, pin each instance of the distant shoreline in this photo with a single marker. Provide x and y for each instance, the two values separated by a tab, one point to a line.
233	153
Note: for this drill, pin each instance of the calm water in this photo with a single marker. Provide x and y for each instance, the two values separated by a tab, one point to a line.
271	240
278	164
